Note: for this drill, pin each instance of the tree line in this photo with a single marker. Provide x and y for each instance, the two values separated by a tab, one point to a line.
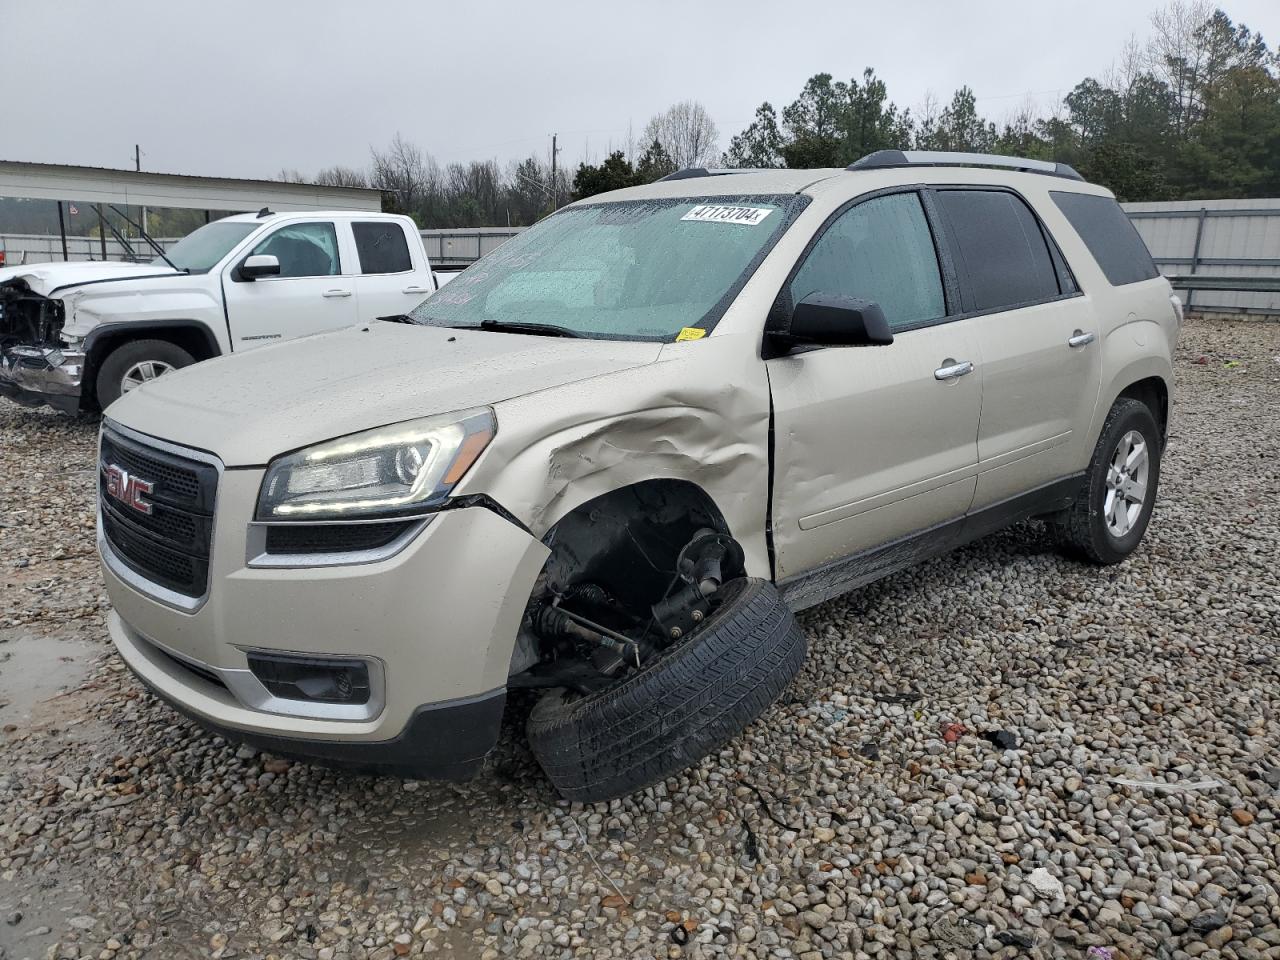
1193	113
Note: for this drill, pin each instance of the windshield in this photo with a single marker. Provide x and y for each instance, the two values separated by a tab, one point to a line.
199	252
636	270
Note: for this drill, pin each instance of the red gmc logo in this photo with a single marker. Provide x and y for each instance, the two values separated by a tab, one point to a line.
128	490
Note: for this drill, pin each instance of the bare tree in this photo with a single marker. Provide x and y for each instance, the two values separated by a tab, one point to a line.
290	175
405	172
1178	54
340	176
687	133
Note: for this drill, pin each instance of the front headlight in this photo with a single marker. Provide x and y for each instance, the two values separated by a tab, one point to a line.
404	468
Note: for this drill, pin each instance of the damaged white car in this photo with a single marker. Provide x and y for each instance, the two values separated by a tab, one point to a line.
75	336
609	460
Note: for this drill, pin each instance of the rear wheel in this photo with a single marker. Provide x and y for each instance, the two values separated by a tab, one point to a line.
132	364
1110	515
679	706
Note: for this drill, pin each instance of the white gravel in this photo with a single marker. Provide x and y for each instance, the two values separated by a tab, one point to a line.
868	813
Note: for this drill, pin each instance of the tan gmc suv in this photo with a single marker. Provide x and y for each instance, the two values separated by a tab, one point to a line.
610	459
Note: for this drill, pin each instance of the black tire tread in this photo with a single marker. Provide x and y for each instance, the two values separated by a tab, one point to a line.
682	706
106	383
1073	529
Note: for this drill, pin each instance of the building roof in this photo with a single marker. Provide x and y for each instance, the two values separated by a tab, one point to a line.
56	181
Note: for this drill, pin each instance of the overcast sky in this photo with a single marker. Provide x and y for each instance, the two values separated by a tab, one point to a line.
246	87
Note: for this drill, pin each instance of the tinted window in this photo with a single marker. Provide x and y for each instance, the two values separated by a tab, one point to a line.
1000	248
880	250
382	247
304	249
1109	235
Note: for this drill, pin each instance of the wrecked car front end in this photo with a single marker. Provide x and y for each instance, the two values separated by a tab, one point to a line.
36	366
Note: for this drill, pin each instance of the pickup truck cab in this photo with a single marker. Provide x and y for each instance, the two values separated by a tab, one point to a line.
78	335
609	461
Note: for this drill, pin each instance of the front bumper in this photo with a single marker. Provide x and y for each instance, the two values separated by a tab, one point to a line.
34	376
437	621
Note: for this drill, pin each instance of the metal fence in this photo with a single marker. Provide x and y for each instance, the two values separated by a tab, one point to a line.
1224	255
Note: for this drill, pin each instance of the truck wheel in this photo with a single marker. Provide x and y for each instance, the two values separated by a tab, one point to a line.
134	363
1111	512
685	703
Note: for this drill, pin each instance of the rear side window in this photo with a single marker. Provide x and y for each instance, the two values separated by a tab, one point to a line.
1109	235
1001	249
879	250
382	247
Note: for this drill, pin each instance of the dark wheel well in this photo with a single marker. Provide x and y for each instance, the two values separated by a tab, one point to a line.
1154	393
194	338
627	540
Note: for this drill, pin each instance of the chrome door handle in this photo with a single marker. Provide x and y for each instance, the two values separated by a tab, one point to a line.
415	290
1080	339
950	369
336	293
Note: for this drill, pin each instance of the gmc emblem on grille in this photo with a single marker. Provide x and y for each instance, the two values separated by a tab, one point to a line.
128	490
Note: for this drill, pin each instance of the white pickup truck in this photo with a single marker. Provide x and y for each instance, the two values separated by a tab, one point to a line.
77	335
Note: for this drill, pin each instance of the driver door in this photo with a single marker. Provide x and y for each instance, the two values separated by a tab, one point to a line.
312	293
874	444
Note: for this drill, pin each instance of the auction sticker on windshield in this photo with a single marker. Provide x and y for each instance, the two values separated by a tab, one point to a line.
713	213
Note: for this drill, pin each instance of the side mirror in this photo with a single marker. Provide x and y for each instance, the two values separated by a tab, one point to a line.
830	320
259	265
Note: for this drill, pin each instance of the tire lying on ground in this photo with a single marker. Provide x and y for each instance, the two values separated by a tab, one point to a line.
683	704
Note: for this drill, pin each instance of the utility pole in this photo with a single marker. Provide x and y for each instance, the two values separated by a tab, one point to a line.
555	183
137	158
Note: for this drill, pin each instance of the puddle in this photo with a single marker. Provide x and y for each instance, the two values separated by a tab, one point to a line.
34	669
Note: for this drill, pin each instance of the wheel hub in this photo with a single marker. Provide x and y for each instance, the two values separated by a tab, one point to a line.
141	372
1126	484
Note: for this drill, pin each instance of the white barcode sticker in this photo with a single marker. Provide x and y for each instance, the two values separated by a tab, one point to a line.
714	213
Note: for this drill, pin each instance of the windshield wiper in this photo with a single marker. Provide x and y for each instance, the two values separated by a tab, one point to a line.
515	326
399	318
143	233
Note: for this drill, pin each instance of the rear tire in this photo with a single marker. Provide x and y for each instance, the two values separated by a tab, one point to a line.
682	705
132	364
1111	512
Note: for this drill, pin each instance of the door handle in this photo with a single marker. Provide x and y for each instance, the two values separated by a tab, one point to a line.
1080	339
331	294
951	370
415	290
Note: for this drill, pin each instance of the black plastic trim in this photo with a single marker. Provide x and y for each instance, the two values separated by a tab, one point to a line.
441	741
132	276
111	330
857	570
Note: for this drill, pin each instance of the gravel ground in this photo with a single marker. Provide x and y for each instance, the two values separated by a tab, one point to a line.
1001	753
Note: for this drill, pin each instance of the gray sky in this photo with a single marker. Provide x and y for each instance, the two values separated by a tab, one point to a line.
245	87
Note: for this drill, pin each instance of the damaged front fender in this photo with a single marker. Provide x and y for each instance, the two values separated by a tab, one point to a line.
699	414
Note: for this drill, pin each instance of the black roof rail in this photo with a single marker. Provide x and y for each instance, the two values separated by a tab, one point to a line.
887	159
688	173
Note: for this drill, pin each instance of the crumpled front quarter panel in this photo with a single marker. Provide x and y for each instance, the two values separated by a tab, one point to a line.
700	414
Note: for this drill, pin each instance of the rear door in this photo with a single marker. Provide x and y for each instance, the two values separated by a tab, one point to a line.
1037	335
315	289
393	276
874	444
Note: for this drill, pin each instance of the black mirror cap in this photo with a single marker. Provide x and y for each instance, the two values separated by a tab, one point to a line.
832	320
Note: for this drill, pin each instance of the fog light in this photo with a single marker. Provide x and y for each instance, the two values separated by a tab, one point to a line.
315	679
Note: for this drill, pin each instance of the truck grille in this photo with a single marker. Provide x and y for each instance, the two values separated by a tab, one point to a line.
162	530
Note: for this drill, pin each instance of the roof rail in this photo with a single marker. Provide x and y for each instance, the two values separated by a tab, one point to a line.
688	173
885	159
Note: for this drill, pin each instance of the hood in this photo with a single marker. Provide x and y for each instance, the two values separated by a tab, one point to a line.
251	407
45	278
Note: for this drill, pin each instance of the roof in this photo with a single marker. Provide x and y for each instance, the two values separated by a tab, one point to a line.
56	181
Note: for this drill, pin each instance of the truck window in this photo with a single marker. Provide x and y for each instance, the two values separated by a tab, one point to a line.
382	247
304	249
1001	249
1109	235
879	250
